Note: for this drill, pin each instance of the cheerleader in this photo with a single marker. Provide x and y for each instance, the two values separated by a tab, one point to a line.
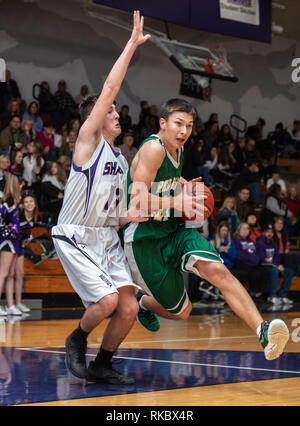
10	248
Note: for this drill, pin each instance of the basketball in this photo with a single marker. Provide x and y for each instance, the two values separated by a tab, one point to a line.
209	202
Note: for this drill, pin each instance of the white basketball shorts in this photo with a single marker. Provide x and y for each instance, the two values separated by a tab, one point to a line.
93	260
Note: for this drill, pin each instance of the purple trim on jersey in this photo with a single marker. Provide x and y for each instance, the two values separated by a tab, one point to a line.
91	176
76	168
116	153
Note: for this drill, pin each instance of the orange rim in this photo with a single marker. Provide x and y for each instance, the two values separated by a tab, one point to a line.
213	64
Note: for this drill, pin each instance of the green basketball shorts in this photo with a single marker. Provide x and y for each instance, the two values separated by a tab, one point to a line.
156	265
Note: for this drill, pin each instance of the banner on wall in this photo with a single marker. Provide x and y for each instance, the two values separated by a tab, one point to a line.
246	11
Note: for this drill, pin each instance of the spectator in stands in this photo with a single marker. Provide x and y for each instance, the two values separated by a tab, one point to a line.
210	136
287	258
227	161
66	164
29	218
227	214
213	118
33	113
60	134
52	190
293	203
16	163
279	139
153	111
46	137
28	128
67	148
247	261
251	151
48	104
66	103
255	232
276	178
149	128
125	119
211	164
194	162
10	90
240	154
242	204
4	168
75	125
33	164
268	253
127	148
256	131
225	135
84	92
266	170
294	133
250	178
12	135
144	112
224	244
9	237
13	108
274	205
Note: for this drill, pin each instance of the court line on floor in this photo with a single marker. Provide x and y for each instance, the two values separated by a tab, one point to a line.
174	362
170	341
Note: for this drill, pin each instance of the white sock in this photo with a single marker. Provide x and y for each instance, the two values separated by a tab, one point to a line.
258	330
141	304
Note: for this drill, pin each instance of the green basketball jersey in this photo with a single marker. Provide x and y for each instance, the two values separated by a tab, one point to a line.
164	185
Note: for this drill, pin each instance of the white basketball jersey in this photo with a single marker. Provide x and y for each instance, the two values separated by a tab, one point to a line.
95	194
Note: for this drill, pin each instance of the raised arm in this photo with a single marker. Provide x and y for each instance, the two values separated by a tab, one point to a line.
91	130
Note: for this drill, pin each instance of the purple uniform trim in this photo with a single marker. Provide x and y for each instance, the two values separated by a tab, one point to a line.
90	175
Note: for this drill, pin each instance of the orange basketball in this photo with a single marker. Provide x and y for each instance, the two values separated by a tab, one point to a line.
209	202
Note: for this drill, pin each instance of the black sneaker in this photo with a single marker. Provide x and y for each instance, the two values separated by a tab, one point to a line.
107	375
273	338
147	319
75	357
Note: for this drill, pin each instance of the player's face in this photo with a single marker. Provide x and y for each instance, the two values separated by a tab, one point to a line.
177	129
111	125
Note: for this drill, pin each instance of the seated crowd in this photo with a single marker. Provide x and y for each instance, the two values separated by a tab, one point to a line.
259	212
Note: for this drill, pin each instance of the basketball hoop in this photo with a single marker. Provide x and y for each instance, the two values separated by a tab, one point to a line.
215	57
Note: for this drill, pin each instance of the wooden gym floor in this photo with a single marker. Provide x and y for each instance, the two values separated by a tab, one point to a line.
210	359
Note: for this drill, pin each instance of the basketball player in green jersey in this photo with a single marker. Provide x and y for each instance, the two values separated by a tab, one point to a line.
157	250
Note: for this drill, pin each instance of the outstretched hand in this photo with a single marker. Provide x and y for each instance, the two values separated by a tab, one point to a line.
137	35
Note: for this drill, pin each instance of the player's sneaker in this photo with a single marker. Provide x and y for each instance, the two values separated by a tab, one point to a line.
107	375
147	319
273	338
75	356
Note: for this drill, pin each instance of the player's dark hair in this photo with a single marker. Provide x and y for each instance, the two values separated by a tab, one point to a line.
177	104
86	106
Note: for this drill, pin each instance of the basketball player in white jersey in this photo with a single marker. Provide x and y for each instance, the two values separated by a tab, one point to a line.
85	238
